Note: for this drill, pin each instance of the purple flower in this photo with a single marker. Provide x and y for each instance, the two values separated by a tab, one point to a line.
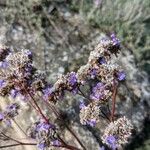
12	107
72	81
98	92
29	53
82	104
48	92
111	141
121	75
13	93
91	122
2	83
72	78
8	122
93	73
28	68
56	143
115	41
75	90
101	60
102	148
41	146
3	64
44	126
12	110
1	116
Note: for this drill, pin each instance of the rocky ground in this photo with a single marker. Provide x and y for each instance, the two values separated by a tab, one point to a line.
61	35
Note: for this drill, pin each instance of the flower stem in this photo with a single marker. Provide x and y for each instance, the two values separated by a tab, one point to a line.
38	108
57	114
69	129
18	144
44	117
113	102
19	127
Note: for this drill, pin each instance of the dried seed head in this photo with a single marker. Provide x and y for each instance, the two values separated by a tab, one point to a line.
100	92
19	60
44	133
89	115
120	129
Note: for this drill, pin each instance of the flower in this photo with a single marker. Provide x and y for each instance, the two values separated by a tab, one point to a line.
102	148
41	146
2	83
12	110
56	143
98	92
116	41
101	60
89	115
1	116
44	127
93	73
3	64
8	122
72	82
48	92
117	133
72	78
82	104
44	133
111	141
91	122
121	75
28	53
13	93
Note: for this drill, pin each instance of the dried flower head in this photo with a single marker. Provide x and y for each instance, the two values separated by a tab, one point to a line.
100	92
44	133
19	60
89	115
10	112
118	132
20	74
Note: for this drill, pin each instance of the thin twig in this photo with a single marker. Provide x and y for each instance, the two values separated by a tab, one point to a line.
106	117
19	127
69	129
66	145
18	144
39	110
57	114
113	102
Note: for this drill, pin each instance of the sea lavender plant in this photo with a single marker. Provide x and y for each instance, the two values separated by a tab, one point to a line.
20	78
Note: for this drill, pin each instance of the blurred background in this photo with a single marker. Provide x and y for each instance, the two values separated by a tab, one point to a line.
61	34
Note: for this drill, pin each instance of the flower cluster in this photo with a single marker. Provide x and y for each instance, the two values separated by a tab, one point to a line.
99	63
19	74
44	133
19	77
64	83
101	68
100	92
89	115
9	113
117	133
